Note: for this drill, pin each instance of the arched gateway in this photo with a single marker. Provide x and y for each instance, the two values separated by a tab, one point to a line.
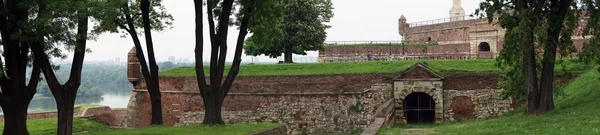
418	95
419	107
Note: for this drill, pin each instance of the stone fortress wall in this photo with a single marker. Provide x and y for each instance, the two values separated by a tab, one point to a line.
464	38
304	103
311	104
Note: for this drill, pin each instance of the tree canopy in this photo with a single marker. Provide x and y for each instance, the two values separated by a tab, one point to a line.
532	28
289	26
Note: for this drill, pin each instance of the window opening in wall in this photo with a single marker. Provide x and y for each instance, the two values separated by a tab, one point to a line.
484	47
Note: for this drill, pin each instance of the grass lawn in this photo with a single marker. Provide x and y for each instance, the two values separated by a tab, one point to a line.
48	126
576	113
482	65
91	127
235	129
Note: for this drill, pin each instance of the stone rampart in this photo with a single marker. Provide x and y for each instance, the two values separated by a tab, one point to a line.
311	103
474	104
450	31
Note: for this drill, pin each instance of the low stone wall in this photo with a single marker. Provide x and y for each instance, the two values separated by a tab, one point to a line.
37	115
333	50
395	57
181	94
279	130
474	104
103	114
308	113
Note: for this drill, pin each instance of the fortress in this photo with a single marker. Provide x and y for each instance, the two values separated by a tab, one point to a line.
342	103
335	103
459	36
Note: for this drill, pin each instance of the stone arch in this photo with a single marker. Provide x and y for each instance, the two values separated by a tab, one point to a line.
484	47
419	107
433	93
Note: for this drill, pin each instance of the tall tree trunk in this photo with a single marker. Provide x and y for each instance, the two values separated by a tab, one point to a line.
214	94
149	72
155	99
212	109
558	11
530	78
15	115
155	95
16	93
287	53
65	101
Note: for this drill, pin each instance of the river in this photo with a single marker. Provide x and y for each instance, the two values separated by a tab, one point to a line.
113	100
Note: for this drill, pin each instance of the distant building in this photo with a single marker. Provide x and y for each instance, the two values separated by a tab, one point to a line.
456	37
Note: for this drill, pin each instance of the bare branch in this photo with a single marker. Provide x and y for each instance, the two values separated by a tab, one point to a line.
235	67
35	77
79	55
46	67
200	76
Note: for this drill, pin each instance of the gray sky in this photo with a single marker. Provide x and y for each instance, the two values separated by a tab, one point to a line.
354	20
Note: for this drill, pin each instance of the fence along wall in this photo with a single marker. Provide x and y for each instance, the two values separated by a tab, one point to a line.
347	53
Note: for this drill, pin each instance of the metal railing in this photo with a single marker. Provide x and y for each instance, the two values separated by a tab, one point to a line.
361	42
442	20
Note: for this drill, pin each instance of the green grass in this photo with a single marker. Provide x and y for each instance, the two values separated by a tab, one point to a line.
483	65
234	129
576	113
48	126
393	44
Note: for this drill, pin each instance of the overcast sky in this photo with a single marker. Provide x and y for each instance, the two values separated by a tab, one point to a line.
354	20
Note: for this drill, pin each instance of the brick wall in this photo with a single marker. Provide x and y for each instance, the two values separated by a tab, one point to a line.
37	115
484	103
451	31
335	108
353	50
180	95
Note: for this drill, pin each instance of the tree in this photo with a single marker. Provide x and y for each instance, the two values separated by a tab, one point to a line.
214	93
65	94
124	16
20	23
291	26
590	49
531	27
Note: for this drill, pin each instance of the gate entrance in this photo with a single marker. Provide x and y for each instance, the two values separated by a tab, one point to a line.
419	107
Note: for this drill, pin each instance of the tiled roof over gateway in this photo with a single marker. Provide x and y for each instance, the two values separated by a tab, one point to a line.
419	71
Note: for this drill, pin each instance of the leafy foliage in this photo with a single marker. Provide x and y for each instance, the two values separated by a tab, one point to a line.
592	47
298	23
113	19
532	28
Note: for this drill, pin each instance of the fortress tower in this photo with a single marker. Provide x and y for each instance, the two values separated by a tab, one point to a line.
402	25
457	13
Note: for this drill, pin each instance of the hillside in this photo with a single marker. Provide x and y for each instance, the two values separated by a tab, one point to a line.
482	65
576	113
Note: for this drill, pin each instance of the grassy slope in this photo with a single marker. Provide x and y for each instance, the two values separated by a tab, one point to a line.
48	126
235	129
82	126
484	65
576	113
